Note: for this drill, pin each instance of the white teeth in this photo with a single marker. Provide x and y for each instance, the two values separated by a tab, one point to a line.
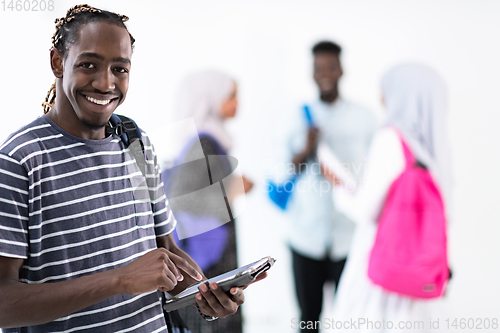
97	101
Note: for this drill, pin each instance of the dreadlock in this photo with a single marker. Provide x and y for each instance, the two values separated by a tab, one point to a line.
65	35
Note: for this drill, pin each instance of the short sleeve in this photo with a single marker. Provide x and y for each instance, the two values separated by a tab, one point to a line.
164	220
14	211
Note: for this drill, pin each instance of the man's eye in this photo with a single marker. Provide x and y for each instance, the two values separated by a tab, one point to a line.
121	70
87	65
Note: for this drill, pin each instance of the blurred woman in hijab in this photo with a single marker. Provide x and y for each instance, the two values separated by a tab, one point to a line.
210	98
415	98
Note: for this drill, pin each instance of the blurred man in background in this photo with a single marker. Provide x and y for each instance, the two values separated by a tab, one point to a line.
320	235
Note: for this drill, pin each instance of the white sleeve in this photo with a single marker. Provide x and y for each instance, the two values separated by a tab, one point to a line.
385	163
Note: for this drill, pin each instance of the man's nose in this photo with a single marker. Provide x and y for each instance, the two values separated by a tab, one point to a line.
104	81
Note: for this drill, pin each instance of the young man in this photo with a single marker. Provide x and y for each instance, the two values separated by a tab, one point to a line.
320	235
80	248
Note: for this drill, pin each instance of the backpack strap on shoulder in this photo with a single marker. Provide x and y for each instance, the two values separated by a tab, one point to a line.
126	129
410	159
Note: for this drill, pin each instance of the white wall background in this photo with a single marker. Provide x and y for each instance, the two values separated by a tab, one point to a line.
265	45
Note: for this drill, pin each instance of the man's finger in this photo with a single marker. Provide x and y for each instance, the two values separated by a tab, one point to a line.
170	277
173	268
261	276
237	295
186	267
212	301
204	307
221	296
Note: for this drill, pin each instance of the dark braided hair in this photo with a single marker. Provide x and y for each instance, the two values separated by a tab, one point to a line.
65	35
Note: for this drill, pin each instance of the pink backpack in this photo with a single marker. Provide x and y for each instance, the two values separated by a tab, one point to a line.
409	255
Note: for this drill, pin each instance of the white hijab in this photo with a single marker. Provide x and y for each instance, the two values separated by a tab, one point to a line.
416	101
200	96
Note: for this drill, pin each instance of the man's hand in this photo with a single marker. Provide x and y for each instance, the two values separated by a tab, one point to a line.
312	141
213	301
157	269
309	149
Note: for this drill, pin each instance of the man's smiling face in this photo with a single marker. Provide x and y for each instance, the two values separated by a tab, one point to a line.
96	72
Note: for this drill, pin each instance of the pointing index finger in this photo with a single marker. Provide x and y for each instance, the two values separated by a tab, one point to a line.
186	267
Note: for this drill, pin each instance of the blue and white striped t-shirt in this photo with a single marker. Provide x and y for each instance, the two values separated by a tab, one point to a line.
72	207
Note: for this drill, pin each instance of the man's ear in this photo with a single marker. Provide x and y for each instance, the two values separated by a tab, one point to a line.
56	62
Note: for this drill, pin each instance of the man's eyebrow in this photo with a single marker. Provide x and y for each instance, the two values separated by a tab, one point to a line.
90	55
121	59
100	57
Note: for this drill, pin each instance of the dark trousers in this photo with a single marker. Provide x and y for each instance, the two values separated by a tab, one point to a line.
310	276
